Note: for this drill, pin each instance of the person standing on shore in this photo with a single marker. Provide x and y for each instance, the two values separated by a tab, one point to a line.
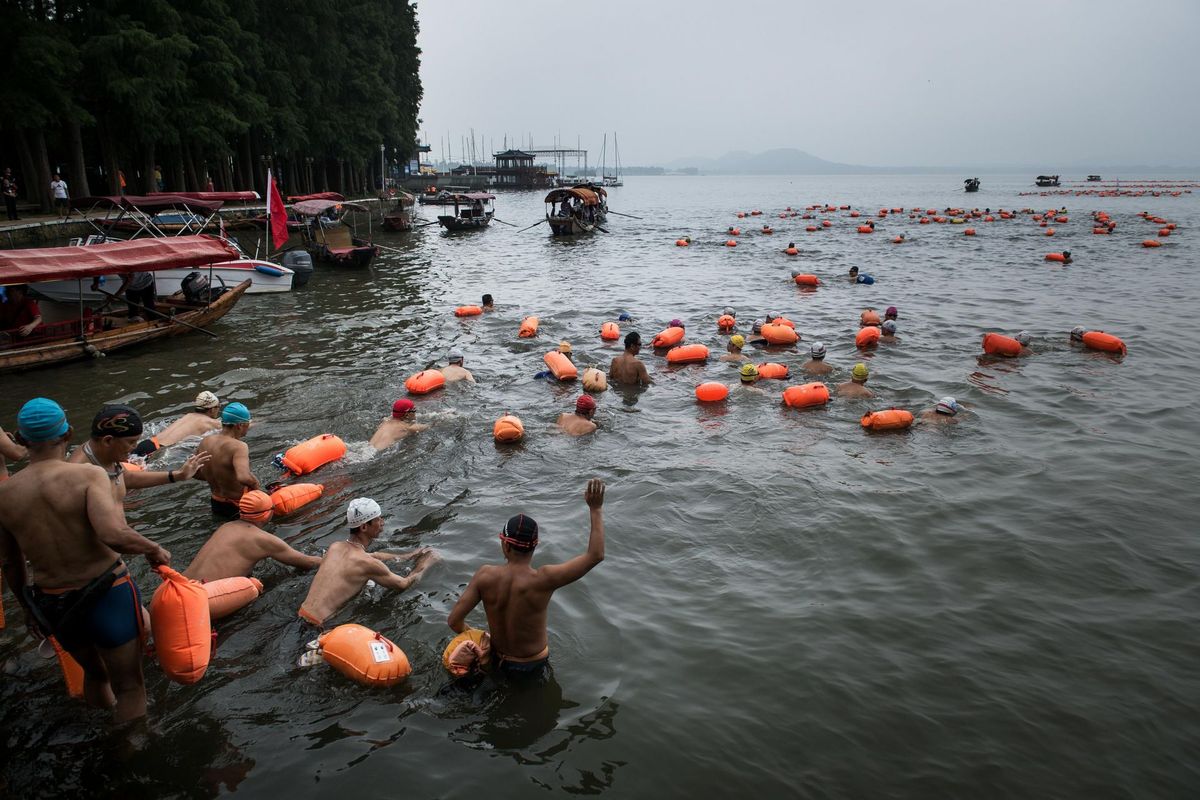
8	187
58	187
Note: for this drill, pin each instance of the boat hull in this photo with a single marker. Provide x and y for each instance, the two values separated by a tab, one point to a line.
453	223
169	281
93	345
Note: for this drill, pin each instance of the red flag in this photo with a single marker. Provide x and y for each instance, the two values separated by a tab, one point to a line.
276	213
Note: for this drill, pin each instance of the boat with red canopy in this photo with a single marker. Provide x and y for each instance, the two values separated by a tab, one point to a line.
87	332
576	209
329	239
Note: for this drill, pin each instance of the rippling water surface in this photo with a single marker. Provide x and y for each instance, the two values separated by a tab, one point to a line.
790	606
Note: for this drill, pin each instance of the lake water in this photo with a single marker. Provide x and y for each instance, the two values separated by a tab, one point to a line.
790	607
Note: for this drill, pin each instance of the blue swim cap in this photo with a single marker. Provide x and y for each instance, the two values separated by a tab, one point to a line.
624	317
42	419
235	414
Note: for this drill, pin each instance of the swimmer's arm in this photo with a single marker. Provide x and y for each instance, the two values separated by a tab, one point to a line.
383	555
108	521
418	426
388	579
559	575
643	375
142	480
284	553
465	605
241	468
13	566
10	449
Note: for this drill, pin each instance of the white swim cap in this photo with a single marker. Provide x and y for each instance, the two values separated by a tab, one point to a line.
1024	338
889	325
729	312
947	405
361	511
207	400
818	350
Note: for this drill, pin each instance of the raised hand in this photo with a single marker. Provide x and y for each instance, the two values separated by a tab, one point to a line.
594	495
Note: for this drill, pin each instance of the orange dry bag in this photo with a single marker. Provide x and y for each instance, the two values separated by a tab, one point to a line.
71	671
610	332
893	419
711	392
869	317
725	323
529	328
867	337
668	338
468	652
228	595
468	311
773	371
508	429
425	381
998	345
791	251
806	396
1099	340
1059	257
318	451
287	499
687	354
364	656
807	280
560	366
779	334
182	626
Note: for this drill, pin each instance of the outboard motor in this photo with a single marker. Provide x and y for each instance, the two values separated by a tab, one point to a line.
196	288
301	263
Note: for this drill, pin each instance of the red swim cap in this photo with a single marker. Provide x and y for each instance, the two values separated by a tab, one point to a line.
585	404
402	407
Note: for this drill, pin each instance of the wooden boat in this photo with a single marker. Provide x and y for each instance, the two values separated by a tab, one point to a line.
971	184
1047	180
579	209
400	217
472	210
91	335
1093	178
327	237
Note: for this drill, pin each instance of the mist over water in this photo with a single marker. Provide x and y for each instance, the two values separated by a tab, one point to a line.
790	606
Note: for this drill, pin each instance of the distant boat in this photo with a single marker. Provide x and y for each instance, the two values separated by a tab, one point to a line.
615	178
971	184
400	217
472	210
1047	180
1094	178
579	209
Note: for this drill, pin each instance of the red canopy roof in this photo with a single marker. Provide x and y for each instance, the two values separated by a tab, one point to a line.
227	197
140	255
158	202
299	198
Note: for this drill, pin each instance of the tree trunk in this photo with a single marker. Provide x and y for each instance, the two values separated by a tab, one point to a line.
178	183
189	166
293	179
247	163
78	185
148	164
342	176
42	163
323	176
108	157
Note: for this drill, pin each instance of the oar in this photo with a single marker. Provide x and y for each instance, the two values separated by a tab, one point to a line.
619	214
157	313
534	225
390	249
502	222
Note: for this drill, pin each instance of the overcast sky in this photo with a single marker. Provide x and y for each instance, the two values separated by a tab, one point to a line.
904	83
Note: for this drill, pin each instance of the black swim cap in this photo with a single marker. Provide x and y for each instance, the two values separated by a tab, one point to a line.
521	533
632	338
117	420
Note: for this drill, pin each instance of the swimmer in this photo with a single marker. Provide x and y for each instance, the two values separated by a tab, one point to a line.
853	274
62	519
204	419
580	423
228	472
791	246
728	311
564	347
748	375
943	413
627	368
856	387
236	547
115	432
756	337
347	566
816	365
488	304
516	596
1066	254
1077	333
9	451
1023	338
888	332
863	278
396	427
891	313
736	343
676	323
625	316
454	370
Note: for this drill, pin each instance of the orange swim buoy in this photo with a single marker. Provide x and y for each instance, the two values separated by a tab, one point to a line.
508	428
1151	243
1164	231
182	627
968	232
731	243
725	323
468	311
867	337
529	328
810	228
1049	231
425	381
826	223
792	251
668	338
560	366
594	380
1060	219
228	595
869	317
687	354
682	242
996	344
71	671
1059	257
772	371
711	392
865	229
779	334
735	231
807	280
610	331
806	395
288	499
364	656
1100	230
318	451
893	419
468	652
783	321
1099	340
897	240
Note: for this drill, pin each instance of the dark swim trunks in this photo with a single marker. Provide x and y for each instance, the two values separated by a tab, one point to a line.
224	508
146	447
106	613
538	670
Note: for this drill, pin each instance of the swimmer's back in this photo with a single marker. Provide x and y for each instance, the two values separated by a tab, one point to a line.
515	601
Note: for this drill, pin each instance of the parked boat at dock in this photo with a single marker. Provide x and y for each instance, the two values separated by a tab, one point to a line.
467	211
